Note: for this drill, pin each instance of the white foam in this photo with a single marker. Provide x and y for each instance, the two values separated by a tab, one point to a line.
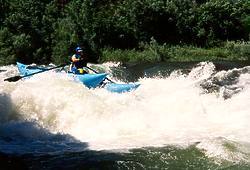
161	111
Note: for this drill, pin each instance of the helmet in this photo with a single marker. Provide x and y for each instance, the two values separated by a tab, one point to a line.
78	49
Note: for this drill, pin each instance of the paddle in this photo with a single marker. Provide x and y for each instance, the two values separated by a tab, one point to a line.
98	73
16	78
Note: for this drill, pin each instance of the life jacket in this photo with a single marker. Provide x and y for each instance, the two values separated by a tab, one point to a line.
78	71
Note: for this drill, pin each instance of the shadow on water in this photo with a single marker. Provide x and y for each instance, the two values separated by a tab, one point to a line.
21	139
7	111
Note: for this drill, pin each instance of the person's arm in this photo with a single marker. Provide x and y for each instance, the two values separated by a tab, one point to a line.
74	59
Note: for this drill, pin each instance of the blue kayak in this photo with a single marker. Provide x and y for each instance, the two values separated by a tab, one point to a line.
89	80
121	88
26	70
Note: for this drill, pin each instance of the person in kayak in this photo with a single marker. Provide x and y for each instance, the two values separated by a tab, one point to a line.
78	61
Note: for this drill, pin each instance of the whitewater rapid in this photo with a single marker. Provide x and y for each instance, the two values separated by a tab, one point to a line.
172	110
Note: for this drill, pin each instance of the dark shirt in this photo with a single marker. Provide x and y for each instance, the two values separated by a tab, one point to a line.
80	64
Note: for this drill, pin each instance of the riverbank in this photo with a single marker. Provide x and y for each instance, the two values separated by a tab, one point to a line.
153	52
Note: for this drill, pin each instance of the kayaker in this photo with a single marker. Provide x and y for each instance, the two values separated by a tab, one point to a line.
78	61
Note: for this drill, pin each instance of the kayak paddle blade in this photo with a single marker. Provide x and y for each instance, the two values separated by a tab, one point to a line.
13	79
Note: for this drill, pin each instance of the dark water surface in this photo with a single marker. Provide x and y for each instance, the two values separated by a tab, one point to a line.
143	158
133	71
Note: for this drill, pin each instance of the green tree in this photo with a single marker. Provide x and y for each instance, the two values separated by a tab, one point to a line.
64	39
6	48
4	10
246	22
43	31
76	27
24	21
220	20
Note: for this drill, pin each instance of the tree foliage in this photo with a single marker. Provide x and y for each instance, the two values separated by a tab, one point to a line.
46	31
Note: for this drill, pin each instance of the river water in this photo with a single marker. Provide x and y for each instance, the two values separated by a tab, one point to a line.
183	116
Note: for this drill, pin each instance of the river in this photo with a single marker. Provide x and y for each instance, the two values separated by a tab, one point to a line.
183	116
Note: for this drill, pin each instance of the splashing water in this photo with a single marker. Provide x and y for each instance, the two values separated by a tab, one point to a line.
175	110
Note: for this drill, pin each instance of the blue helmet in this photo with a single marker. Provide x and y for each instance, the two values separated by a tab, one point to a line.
78	49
